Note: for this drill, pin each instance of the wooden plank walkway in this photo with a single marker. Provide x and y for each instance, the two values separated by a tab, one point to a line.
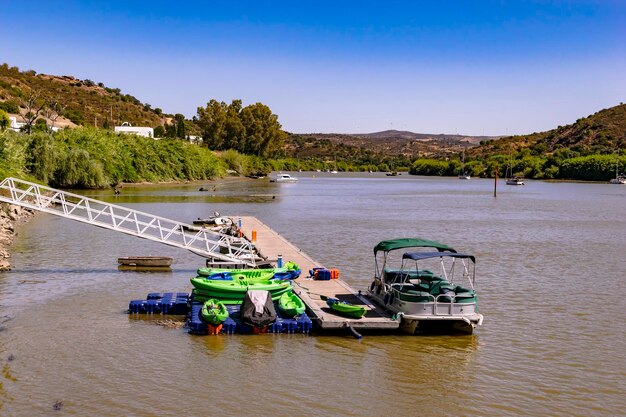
270	244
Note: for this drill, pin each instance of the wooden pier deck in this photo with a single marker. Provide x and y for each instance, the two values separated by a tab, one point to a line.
270	244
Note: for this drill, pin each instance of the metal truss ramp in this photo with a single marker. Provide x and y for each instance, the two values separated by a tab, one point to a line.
209	244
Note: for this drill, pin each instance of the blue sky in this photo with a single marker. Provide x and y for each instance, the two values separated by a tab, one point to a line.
467	67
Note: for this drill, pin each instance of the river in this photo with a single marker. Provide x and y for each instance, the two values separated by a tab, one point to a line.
550	279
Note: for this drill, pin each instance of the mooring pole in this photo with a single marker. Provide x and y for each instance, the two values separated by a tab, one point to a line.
495	183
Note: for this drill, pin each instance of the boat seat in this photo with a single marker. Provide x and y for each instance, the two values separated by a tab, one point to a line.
439	287
459	289
465	298
404	288
415	296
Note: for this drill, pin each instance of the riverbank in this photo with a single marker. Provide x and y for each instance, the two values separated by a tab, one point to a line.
10	216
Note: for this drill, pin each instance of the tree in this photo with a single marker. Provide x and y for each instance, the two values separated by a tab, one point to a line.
159	131
264	136
170	130
52	112
180	125
33	105
5	122
235	132
212	122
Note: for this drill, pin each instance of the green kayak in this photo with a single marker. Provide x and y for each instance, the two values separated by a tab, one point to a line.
290	304
214	312
239	286
231	297
289	271
345	308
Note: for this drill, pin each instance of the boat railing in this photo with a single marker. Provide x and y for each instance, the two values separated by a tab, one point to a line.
443	304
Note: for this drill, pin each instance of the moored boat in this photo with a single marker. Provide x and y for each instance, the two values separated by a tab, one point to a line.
146	261
214	312
284	178
290	304
424	300
515	181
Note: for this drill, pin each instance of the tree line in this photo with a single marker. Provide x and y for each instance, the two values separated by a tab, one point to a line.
252	130
555	166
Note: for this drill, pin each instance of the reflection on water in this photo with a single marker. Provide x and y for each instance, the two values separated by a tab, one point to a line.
548	277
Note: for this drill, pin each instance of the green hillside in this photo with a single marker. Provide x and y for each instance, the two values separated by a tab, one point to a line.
80	102
603	132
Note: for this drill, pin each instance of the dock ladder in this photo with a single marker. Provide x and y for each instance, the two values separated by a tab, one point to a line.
209	244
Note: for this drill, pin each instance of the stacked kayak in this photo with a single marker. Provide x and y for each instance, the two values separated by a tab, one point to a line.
214	312
234	291
289	271
290	304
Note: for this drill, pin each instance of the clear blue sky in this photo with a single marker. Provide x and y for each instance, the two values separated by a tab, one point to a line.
472	67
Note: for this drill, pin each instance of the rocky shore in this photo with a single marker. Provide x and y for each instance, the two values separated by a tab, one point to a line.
10	216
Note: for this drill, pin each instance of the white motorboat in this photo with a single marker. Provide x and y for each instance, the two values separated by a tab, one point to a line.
284	178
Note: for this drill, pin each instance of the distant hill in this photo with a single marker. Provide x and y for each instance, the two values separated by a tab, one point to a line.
389	143
82	102
603	132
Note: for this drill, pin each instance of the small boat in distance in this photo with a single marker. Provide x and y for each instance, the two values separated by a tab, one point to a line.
463	175
284	178
510	179
619	179
515	181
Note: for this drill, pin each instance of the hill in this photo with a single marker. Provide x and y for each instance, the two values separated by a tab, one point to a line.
79	102
387	144
603	132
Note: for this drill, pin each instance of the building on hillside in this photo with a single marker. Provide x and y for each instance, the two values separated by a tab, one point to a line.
194	139
126	127
15	125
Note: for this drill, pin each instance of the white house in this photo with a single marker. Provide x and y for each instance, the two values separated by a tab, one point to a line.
15	125
126	127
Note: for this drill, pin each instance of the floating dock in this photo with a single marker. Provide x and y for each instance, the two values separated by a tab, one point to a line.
271	245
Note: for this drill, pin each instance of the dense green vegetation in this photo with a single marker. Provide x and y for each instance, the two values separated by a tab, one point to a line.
96	158
590	168
252	130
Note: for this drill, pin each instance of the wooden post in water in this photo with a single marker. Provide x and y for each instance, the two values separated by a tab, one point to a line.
495	183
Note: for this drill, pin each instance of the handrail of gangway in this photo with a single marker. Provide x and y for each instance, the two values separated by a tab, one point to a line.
203	242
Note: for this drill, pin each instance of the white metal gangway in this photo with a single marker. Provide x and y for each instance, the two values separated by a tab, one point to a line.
203	242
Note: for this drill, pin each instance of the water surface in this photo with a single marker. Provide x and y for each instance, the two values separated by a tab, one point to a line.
550	281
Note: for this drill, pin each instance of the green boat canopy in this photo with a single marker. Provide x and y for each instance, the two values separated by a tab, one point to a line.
389	245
